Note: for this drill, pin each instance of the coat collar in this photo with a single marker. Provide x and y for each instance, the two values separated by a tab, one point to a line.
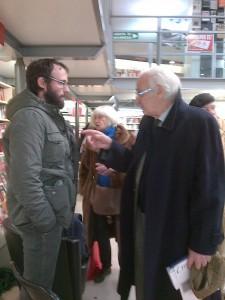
171	118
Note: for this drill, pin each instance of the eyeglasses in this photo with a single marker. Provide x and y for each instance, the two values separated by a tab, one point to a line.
61	82
139	94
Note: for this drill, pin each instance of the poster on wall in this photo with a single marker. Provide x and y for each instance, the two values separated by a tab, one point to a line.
200	42
221	3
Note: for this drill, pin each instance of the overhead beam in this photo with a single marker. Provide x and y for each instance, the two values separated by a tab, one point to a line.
76	52
202	83
95	98
187	83
87	52
12	42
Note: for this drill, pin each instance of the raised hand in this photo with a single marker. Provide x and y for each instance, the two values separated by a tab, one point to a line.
96	139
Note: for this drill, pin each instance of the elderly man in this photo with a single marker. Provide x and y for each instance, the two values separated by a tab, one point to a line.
172	201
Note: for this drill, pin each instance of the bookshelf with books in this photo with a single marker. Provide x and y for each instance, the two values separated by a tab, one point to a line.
131	121
6	93
77	113
3	206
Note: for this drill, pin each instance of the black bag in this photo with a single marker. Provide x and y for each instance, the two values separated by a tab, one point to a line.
77	231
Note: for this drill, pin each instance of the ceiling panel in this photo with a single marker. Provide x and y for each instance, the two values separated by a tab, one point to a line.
51	22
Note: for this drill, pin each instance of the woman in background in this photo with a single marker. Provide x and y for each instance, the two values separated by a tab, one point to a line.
101	228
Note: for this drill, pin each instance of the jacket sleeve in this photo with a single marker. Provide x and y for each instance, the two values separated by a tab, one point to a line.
118	157
207	200
27	137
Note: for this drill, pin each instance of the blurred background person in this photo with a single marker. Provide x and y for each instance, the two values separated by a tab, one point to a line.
207	102
101	228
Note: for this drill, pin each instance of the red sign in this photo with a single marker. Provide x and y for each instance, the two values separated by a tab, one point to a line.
200	42
221	3
1	34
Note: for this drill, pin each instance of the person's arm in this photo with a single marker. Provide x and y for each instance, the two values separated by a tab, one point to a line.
110	152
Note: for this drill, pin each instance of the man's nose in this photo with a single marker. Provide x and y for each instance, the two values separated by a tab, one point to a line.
136	100
66	88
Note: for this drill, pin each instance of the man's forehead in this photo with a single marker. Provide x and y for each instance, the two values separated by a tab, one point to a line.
144	79
58	68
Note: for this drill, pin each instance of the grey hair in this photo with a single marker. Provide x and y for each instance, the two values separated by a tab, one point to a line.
166	78
109	112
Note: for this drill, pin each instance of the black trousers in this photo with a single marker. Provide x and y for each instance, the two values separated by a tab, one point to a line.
103	234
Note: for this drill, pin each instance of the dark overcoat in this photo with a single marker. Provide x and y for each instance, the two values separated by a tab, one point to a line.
184	195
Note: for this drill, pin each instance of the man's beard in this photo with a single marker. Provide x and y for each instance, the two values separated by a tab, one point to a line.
51	97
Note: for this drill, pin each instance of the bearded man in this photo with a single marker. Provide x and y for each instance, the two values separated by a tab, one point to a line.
41	161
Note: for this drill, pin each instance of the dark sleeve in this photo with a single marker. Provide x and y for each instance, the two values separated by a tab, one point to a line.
117	157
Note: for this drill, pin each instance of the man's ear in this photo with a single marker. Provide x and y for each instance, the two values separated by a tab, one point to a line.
160	91
41	82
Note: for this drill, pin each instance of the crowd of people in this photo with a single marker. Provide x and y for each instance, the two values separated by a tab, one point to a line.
170	176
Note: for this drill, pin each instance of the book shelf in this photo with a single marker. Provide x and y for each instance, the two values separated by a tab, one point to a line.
6	93
131	121
3	207
83	114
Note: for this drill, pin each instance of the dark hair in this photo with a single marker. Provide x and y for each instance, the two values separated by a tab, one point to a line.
41	68
202	99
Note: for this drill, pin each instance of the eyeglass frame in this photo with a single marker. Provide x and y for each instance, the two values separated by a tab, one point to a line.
64	84
139	94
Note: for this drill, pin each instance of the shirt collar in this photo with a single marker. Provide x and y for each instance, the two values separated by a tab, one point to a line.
163	116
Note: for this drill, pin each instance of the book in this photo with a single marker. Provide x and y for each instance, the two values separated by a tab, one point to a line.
179	275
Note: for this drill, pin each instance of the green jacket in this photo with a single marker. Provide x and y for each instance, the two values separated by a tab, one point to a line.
41	161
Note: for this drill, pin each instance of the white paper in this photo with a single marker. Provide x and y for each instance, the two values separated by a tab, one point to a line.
179	275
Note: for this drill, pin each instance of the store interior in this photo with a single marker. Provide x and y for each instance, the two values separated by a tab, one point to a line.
106	44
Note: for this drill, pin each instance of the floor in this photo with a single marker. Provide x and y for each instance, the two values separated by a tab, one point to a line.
101	291
107	289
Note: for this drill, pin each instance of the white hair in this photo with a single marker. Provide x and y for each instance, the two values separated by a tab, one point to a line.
165	78
109	112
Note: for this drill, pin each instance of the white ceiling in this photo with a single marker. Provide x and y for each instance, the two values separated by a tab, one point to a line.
79	32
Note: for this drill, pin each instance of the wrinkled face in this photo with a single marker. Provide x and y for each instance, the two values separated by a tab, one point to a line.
211	108
57	87
100	122
150	100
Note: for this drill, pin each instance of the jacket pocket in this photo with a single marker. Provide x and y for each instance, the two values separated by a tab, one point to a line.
54	150
59	198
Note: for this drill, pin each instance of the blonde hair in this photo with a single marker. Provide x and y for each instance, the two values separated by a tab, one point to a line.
107	111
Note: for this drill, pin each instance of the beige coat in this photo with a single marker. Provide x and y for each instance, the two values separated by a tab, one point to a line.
221	123
88	175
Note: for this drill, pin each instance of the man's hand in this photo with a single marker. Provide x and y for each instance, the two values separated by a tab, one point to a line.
103	170
198	260
96	139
